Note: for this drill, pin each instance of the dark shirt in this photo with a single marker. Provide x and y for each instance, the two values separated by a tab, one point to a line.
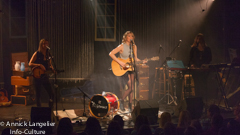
198	57
40	60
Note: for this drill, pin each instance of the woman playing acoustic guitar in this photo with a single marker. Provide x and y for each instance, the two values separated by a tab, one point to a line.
40	61
124	51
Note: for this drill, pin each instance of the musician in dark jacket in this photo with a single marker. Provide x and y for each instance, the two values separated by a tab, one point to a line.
200	55
40	59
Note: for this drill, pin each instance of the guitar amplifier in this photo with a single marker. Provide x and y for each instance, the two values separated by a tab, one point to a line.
143	83
143	94
22	100
143	88
143	70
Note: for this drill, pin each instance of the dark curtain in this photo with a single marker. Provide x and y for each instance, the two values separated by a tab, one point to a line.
69	27
1	53
165	22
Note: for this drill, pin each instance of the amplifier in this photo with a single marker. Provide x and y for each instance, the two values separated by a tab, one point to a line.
143	83
143	94
22	100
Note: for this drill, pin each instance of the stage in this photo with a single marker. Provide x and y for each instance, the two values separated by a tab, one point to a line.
74	110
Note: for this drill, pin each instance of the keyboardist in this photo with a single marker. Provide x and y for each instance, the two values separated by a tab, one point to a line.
200	54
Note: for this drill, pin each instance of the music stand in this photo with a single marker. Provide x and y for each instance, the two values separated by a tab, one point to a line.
84	95
175	65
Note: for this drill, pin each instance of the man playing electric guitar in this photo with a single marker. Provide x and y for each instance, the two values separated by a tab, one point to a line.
40	59
125	52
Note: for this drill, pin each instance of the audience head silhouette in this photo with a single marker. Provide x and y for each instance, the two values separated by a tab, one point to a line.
65	127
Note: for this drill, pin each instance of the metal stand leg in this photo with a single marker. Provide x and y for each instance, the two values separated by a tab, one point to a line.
170	98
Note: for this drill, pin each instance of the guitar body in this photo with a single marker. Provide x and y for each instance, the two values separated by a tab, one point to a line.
37	72
118	70
3	98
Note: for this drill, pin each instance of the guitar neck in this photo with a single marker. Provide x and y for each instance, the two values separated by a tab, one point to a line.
141	61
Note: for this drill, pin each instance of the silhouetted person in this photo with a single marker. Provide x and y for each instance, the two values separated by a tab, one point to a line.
114	128
169	129
216	124
183	122
119	119
196	124
144	130
233	127
140	120
65	127
237	113
190	130
6	131
92	127
165	117
212	110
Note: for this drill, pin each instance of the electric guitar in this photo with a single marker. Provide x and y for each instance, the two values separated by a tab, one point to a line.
38	72
118	70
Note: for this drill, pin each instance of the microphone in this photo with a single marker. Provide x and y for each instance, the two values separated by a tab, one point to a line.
180	41
161	47
131	41
48	47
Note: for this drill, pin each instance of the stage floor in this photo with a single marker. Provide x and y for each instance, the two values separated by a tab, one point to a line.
16	113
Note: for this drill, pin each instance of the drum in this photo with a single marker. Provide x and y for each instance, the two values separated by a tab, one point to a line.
101	106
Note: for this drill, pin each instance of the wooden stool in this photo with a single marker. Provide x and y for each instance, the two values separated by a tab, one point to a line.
188	87
161	80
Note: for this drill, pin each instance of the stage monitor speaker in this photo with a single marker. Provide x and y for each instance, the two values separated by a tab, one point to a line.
148	108
41	115
194	105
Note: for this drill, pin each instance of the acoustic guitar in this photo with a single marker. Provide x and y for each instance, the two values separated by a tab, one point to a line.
3	98
118	70
38	72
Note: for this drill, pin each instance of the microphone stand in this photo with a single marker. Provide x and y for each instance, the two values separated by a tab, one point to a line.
84	95
168	94
178	45
55	78
159	52
133	63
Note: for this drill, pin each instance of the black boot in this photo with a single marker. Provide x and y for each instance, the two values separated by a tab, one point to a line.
122	105
130	107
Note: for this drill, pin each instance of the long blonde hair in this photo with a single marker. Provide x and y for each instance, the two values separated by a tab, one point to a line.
125	36
42	41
